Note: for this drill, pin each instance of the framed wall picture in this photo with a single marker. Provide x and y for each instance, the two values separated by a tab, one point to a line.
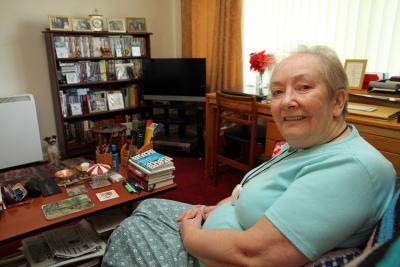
60	23
136	25
81	24
355	70
116	25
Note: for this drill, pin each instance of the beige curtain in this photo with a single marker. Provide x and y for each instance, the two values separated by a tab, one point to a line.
213	29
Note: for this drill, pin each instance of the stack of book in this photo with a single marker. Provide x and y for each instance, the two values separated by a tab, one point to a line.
151	170
391	85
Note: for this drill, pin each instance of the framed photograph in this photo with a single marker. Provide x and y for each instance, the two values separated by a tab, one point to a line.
81	24
355	70
60	23
115	101
136	25
76	109
97	105
116	25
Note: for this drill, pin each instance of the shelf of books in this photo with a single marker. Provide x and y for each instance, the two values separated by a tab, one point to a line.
94	76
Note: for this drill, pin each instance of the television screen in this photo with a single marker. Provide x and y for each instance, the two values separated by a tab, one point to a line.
174	79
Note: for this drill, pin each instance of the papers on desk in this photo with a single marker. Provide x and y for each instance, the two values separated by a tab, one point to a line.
374	111
360	107
63	246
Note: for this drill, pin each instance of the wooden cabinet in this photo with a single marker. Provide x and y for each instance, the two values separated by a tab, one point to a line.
95	80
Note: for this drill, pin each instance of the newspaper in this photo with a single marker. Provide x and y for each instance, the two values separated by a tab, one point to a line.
70	242
63	246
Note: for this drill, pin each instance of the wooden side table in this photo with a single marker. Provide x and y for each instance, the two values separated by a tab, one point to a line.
110	134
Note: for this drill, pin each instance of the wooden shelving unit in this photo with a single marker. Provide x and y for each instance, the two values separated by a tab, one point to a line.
74	130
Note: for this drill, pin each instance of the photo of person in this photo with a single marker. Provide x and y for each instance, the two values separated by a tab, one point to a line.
59	23
81	24
116	25
136	24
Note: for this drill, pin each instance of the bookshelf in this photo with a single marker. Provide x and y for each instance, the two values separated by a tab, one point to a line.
95	80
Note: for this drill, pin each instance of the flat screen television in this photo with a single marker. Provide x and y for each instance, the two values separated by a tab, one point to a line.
174	79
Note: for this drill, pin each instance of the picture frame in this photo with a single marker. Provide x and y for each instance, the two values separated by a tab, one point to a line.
116	25
134	25
355	71
76	109
115	101
97	105
81	24
60	23
97	22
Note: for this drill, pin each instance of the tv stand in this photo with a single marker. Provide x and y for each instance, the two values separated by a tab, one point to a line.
183	126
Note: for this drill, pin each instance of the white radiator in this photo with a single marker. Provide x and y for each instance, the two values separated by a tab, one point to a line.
19	135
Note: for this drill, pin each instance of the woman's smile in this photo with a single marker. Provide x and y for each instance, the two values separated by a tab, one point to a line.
293	118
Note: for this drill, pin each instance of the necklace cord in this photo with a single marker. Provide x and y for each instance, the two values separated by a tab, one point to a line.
270	162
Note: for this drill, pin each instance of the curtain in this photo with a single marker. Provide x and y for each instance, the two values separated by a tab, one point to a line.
213	29
355	29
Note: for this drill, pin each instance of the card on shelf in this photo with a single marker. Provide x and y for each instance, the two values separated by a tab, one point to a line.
107	195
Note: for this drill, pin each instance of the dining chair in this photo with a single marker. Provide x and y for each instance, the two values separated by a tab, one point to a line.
236	127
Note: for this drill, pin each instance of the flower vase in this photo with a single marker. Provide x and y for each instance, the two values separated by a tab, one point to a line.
262	80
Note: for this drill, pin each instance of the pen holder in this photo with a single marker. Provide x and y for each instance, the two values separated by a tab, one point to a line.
105	158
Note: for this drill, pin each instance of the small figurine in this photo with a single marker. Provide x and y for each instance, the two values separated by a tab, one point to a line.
52	150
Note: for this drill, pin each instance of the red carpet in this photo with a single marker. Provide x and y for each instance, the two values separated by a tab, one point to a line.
194	188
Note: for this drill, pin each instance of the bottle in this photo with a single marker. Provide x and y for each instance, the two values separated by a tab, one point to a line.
115	159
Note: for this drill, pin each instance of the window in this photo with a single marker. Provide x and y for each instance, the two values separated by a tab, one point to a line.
357	29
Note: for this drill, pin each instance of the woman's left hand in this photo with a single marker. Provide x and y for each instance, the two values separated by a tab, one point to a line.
191	220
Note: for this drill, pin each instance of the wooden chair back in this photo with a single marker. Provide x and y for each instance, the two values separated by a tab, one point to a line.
240	111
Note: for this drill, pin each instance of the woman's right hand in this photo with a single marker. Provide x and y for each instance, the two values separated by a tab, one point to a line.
194	209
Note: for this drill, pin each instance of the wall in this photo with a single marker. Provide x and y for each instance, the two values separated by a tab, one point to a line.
23	60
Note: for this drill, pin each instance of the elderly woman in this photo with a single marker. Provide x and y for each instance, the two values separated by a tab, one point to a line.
327	189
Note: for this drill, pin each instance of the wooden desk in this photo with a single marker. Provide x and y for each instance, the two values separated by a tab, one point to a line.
382	134
21	221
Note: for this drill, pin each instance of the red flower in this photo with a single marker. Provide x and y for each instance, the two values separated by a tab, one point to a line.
259	61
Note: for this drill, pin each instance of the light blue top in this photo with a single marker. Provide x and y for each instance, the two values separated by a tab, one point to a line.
321	198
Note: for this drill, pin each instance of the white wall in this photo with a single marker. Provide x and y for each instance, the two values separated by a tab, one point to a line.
23	59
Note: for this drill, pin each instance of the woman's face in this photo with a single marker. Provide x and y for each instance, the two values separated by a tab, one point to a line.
301	106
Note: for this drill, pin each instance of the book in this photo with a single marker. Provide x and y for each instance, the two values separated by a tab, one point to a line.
67	206
152	186
136	171
151	160
166	176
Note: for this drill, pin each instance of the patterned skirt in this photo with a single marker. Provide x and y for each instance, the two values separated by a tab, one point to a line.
149	237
